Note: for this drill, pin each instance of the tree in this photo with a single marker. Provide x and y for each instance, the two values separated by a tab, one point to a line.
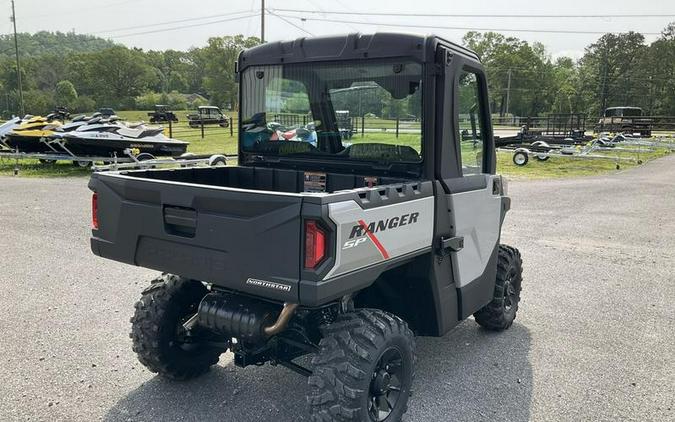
611	75
527	66
117	75
219	57
65	94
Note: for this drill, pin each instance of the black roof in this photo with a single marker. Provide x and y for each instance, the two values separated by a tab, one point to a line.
350	46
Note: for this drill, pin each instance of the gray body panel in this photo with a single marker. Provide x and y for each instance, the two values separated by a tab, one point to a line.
477	218
366	237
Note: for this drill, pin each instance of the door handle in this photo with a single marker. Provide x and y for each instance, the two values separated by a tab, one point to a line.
455	244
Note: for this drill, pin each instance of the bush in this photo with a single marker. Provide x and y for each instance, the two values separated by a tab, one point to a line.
37	102
83	104
174	100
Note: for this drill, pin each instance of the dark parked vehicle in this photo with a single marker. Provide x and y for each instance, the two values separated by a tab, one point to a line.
208	115
625	120
344	122
106	112
162	114
316	246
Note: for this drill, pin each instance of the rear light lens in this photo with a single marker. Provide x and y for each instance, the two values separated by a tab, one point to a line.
94	211
315	244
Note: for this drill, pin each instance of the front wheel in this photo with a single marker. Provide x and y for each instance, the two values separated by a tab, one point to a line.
364	369
159	339
501	311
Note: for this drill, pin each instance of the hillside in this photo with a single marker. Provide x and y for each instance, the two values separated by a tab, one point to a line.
58	43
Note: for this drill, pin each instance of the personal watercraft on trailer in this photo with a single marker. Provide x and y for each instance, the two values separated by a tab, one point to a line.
8	126
32	136
106	138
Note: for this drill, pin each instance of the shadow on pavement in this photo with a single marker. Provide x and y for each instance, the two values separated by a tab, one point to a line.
470	374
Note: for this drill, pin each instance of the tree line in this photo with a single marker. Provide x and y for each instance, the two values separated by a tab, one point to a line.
83	73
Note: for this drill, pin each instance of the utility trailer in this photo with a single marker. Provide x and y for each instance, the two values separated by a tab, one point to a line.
543	152
341	250
554	129
129	160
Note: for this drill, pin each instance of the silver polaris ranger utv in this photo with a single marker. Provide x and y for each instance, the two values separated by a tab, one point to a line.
313	244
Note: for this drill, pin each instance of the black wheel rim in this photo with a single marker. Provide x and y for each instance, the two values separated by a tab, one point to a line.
510	299
385	385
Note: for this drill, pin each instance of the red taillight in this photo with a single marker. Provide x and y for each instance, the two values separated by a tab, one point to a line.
94	211
315	244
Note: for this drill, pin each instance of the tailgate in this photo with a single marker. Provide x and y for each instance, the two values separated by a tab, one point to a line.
239	239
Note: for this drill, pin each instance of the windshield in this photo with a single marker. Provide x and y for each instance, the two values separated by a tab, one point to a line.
343	111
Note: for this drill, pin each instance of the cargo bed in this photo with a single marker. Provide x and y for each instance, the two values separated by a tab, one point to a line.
231	226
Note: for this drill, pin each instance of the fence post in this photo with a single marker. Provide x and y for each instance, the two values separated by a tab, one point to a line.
363	125
397	120
231	126
170	129
201	121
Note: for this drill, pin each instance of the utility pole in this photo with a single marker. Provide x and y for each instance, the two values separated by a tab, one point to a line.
508	92
18	65
262	21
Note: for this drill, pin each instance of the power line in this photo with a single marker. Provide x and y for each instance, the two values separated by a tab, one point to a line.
462	28
170	22
470	15
175	28
290	23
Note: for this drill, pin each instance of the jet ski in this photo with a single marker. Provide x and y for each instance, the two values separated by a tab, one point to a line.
108	137
32	135
7	127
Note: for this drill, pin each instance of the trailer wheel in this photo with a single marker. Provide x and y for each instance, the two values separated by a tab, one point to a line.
364	368
541	157
217	161
43	161
82	163
159	338
144	156
520	158
499	314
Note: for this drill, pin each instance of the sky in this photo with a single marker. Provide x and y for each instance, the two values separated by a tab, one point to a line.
174	24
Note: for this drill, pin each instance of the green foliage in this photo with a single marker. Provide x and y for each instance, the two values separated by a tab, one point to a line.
37	102
65	94
218	59
52	43
174	100
83	104
618	69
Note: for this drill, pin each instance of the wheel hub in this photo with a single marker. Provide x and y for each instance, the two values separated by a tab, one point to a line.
381	382
509	295
385	385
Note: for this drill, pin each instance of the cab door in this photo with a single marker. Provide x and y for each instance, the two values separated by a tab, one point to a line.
472	191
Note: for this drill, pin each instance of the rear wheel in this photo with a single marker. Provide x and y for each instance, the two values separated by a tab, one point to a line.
364	369
159	339
499	314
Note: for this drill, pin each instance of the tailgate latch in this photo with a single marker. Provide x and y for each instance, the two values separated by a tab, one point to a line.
180	221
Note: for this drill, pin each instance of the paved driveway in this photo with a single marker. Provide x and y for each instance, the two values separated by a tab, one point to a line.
594	340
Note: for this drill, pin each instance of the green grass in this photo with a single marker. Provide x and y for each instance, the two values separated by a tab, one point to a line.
219	140
562	167
33	168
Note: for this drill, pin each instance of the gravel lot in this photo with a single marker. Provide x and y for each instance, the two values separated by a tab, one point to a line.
594	339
